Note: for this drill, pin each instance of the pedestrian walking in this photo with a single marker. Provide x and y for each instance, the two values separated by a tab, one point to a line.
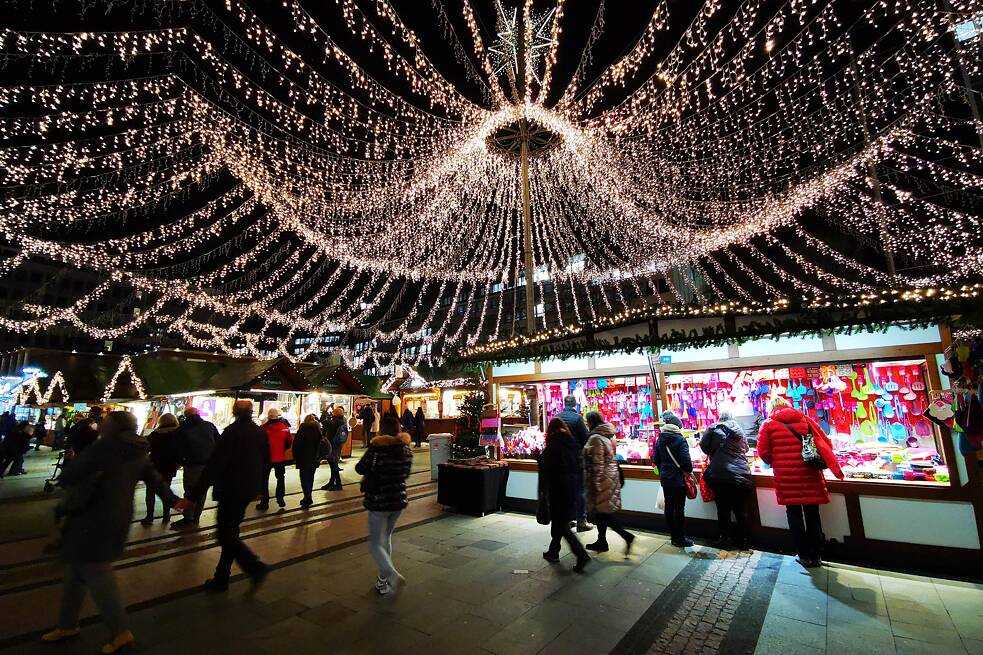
729	477
84	433
278	435
59	430
337	435
407	421
40	432
97	507
575	423
309	447
163	455
238	470
15	445
672	458
799	485
603	483
367	417
559	468
419	427
384	468
194	442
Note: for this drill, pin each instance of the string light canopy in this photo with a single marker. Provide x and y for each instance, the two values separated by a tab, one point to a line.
257	175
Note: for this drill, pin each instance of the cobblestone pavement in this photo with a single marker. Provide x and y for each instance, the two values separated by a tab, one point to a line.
480	585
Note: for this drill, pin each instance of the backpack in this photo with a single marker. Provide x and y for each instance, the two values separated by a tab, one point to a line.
341	435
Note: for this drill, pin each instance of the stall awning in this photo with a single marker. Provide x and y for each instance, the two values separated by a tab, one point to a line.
336	378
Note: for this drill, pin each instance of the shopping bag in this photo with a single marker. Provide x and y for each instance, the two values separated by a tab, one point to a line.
706	493
543	510
660	501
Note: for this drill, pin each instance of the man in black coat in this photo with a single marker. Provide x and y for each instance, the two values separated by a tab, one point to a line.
237	470
575	423
85	432
194	442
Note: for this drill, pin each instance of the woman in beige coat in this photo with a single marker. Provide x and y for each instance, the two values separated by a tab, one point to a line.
603	483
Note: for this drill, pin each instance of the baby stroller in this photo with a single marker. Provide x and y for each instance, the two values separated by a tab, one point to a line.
63	459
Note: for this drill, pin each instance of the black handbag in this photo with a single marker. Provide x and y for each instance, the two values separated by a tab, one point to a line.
543	509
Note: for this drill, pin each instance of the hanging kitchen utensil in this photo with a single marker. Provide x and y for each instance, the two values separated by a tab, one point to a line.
879	403
922	428
916	408
890	385
888	411
878	389
917	384
898	432
869	429
911	395
868	388
904	382
861	410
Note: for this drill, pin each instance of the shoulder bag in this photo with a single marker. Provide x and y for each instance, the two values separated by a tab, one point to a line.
688	478
810	452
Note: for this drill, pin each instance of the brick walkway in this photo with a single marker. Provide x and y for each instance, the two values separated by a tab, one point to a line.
480	585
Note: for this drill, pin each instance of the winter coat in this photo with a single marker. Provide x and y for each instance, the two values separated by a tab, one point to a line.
725	446
238	466
376	417
195	440
407	422
419	426
671	439
307	445
796	483
278	434
366	416
106	474
575	423
559	468
602	482
163	451
384	468
83	434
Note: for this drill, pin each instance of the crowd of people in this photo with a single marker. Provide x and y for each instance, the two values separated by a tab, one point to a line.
579	478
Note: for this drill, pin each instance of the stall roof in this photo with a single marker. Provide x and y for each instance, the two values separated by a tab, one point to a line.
333	378
85	374
274	375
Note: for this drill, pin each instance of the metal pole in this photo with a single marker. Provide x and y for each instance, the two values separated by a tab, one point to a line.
967	83
872	171
527	230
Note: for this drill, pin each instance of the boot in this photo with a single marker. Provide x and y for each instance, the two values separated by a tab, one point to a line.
119	642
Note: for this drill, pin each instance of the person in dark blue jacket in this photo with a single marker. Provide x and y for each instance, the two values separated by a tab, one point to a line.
575	423
729	476
671	456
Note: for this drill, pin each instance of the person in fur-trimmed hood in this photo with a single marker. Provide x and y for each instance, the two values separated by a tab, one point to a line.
603	483
384	468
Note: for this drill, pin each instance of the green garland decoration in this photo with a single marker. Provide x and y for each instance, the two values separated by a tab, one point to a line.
968	313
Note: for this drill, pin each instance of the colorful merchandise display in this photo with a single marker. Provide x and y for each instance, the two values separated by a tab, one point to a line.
873	412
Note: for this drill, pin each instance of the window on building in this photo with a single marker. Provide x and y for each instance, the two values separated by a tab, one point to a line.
969	29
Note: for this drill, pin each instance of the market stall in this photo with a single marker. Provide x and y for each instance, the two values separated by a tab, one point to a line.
440	399
908	492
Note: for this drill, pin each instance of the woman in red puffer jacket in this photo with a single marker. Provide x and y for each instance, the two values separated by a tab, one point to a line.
800	487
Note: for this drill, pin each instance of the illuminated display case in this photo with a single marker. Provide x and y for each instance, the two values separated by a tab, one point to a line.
873	412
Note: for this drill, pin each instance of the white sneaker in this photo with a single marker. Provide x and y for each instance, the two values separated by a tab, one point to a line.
384	590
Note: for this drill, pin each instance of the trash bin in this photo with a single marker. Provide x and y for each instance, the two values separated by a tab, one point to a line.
440	451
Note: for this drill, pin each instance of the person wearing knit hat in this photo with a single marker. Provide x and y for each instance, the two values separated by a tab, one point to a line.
670	418
336	431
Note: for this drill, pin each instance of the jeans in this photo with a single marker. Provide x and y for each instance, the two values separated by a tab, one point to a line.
307	481
562	530
152	501
604	521
381	528
229	516
97	578
731	498
807	530
675	517
333	461
580	503
191	474
280	470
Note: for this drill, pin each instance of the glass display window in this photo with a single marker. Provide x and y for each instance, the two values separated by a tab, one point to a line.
872	412
510	402
452	399
429	401
217	409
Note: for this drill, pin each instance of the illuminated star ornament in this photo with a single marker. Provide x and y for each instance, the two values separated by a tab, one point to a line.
407	181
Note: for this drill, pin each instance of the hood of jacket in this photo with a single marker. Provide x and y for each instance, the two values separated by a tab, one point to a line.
669	429
166	430
604	430
388	440
787	415
730	427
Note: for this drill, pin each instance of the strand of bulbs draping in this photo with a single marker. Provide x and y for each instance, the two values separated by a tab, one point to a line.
700	160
